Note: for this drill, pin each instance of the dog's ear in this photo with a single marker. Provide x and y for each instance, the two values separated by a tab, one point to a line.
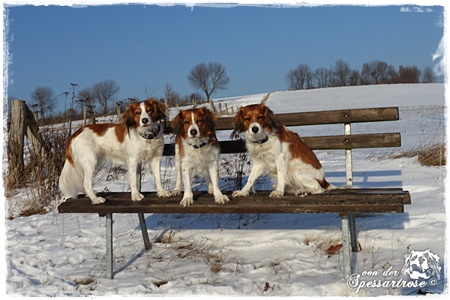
177	123
433	264
128	116
160	110
209	119
238	121
270	118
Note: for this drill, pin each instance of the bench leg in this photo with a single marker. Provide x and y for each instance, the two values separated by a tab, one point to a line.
346	247
143	225
109	246
352	223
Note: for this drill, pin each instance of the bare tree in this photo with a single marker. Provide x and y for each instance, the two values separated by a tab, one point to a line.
366	74
428	75
173	98
354	78
408	74
342	72
44	100
385	72
299	78
323	77
104	91
377	72
149	92
85	98
191	98
209	78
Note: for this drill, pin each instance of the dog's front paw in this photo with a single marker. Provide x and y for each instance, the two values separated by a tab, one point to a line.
240	193
176	193
210	189
164	194
98	200
276	194
187	201
137	196
222	199
301	193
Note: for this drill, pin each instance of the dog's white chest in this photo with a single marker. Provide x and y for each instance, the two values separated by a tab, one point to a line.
199	158
266	153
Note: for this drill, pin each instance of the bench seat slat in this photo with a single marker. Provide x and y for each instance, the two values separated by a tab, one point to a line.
336	201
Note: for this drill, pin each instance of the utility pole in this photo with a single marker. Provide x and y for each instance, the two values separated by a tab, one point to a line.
65	100
73	93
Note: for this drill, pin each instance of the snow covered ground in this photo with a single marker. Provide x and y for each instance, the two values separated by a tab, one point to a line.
253	255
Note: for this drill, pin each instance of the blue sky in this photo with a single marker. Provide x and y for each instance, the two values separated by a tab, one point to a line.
146	46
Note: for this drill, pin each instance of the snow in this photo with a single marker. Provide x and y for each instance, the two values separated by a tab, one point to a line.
251	255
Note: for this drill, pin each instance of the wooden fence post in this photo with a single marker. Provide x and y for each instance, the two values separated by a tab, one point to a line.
118	110
167	112
34	136
23	123
16	143
84	115
266	97
213	108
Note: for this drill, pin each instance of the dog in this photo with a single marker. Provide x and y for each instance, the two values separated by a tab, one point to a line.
292	164
422	264
137	140
196	152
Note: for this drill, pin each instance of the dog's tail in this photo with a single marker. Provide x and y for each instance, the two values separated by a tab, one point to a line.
71	181
348	186
326	185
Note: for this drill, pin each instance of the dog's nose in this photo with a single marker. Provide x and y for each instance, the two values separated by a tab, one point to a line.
255	129
144	121
193	132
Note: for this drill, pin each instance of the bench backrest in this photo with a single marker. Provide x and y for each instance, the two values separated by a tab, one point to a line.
345	141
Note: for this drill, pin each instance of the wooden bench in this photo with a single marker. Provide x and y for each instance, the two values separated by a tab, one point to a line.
345	202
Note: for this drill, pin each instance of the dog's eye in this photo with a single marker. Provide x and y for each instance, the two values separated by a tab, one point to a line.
137	113
247	119
186	122
260	117
199	121
149	110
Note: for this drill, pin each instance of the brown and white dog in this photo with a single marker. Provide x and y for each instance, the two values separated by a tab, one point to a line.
196	152
137	141
282	153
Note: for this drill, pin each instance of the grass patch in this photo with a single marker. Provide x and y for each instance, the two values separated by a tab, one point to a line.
431	156
33	211
83	281
41	172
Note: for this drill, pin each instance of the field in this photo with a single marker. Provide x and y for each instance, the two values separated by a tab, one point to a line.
252	255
